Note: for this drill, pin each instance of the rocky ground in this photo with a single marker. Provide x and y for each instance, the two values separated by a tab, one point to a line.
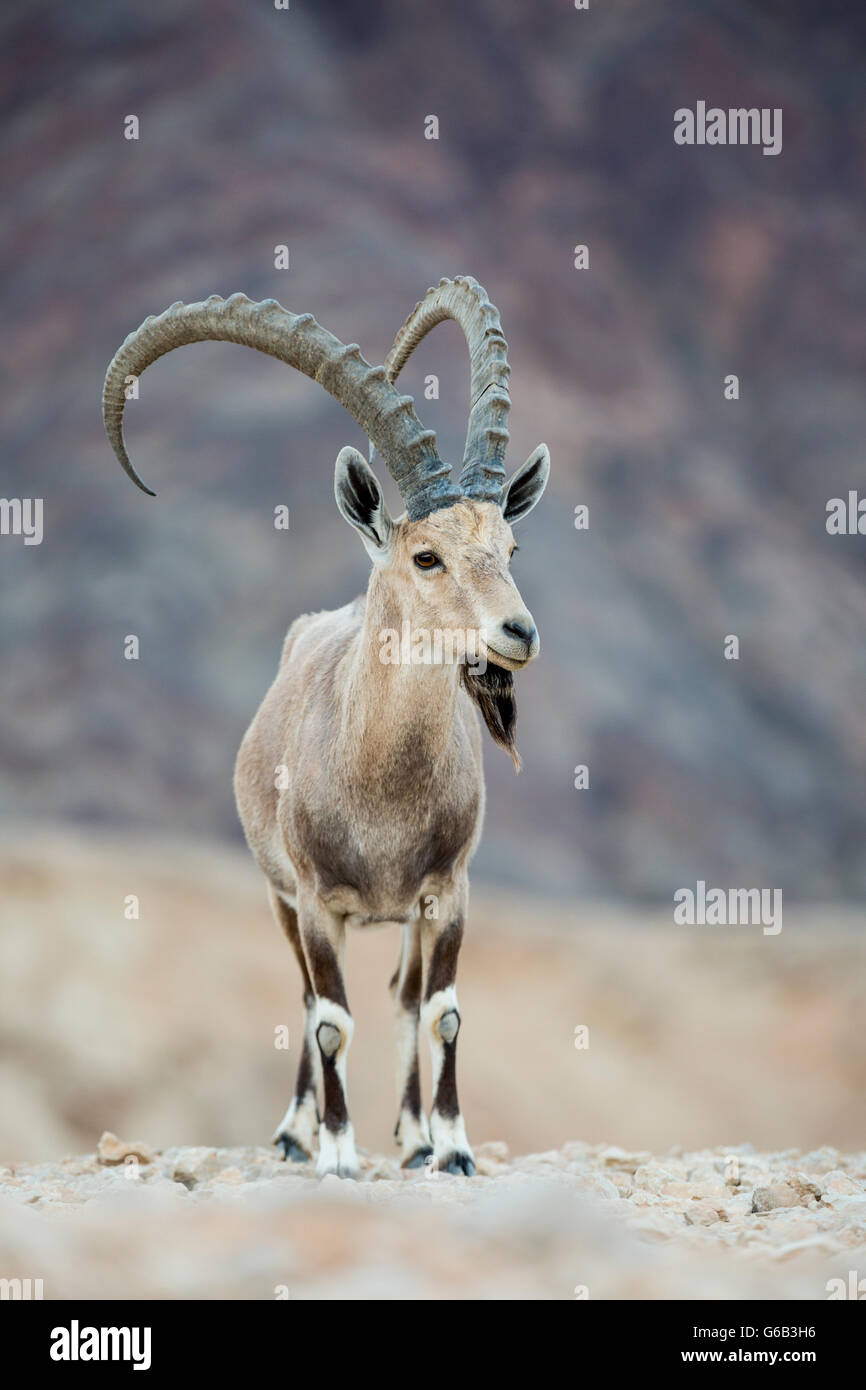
580	1221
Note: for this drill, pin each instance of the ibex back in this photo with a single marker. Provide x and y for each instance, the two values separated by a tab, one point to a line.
359	782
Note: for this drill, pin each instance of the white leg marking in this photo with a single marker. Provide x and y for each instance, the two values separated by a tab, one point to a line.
300	1122
406	1038
336	1149
337	1153
413	1133
442	1002
448	1134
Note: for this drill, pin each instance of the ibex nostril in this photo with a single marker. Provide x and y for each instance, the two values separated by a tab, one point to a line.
524	632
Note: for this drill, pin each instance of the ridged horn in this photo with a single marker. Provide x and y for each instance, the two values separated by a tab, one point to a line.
387	418
465	301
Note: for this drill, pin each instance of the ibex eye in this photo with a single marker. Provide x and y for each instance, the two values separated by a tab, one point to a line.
426	560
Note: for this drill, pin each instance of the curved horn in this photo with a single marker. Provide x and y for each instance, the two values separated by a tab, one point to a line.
388	418
465	301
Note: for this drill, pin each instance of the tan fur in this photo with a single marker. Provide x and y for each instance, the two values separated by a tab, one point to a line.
386	792
360	787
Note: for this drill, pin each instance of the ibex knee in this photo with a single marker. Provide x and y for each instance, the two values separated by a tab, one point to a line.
329	1038
449	1025
441	1016
334	1028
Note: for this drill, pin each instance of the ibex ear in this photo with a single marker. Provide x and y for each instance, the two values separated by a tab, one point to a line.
520	495
360	499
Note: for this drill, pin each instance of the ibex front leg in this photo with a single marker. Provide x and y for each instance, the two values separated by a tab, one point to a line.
323	936
412	1132
440	944
296	1132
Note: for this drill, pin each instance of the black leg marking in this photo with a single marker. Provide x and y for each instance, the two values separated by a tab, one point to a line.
328	981
306	1081
336	1110
452	1150
407	981
445	1101
443	963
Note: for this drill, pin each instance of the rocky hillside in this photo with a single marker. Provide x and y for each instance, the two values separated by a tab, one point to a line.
305	128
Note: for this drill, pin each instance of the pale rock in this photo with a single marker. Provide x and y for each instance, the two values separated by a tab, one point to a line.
701	1213
614	1157
853	1209
111	1150
195	1164
229	1175
687	1190
657	1222
823	1160
622	1182
602	1187
652	1177
641	1197
806	1189
489	1167
379	1170
839	1184
780	1194
496	1150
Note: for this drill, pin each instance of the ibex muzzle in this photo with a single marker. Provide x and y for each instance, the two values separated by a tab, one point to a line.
359	782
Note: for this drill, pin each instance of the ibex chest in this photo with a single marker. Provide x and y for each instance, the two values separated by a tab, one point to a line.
373	848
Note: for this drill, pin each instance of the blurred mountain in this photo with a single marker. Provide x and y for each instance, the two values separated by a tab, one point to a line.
305	127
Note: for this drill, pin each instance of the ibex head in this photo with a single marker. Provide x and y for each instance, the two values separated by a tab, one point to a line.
447	559
450	569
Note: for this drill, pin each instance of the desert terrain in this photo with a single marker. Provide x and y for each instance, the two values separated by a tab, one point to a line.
720	1063
575	1223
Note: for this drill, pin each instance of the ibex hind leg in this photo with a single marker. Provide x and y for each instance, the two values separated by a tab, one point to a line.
412	1132
440	1015
296	1133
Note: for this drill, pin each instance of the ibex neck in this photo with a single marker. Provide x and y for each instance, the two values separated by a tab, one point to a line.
400	706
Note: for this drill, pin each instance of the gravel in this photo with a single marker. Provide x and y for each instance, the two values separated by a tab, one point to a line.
581	1221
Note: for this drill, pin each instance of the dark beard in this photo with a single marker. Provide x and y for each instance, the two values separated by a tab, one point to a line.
493	693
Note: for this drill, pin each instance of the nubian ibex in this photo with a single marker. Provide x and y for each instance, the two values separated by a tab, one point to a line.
359	782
